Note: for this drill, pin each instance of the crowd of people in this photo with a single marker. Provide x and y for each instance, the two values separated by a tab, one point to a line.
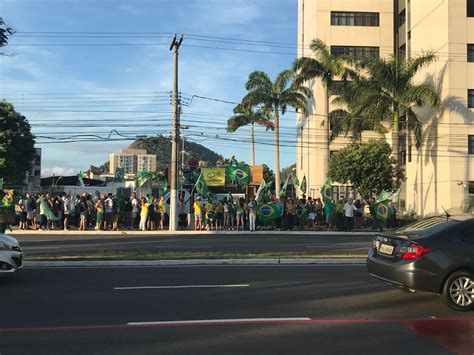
114	212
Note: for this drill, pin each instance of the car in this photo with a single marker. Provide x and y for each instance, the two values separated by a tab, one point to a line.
434	255
11	254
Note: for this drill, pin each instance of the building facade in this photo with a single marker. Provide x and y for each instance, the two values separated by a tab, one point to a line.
441	173
133	161
32	180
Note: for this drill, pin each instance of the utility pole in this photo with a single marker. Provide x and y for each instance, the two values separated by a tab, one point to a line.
174	46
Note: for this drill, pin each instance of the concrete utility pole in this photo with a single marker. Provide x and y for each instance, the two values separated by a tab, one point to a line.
174	46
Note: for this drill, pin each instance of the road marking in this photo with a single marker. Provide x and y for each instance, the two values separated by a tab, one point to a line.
179	286
221	321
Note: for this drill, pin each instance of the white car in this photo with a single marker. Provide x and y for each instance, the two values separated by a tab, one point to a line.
11	255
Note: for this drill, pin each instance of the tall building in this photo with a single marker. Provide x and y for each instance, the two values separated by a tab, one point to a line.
440	173
32	180
133	161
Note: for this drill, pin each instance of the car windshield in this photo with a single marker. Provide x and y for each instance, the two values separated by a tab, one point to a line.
426	225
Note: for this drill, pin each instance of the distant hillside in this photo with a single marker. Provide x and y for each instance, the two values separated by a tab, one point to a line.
161	147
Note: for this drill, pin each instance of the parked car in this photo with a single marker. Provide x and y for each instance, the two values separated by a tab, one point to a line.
435	255
11	254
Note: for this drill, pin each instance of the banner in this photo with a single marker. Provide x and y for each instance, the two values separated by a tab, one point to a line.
214	176
257	174
326	190
239	175
201	186
269	211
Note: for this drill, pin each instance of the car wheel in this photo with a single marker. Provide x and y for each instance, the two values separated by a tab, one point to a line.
458	291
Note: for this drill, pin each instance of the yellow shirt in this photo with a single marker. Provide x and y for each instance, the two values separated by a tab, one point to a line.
197	207
162	206
145	207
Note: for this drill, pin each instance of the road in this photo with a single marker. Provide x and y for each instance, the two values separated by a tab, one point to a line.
39	244
222	310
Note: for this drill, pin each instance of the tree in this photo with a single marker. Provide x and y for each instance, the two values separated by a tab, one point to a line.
385	92
276	97
5	33
326	67
16	145
369	167
245	115
285	172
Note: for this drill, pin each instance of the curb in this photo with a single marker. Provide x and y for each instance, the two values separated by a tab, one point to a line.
190	262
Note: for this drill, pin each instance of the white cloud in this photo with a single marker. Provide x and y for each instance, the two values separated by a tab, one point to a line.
57	171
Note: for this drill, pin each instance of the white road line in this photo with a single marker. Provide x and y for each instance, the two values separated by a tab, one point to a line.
180	286
220	321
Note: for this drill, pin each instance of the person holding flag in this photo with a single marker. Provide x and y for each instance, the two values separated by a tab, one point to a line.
197	206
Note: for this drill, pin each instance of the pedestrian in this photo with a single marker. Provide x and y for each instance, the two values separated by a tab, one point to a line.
226	209
329	208
290	214
349	212
100	214
209	207
135	211
82	208
162	210
240	214
109	212
197	207
219	212
339	210
373	214
252	213
67	211
143	213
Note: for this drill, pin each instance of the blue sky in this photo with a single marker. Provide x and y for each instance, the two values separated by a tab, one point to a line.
66	88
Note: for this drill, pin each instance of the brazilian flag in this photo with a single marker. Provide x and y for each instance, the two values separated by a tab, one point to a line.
269	211
201	186
302	211
239	175
326	190
381	210
303	185
47	211
143	177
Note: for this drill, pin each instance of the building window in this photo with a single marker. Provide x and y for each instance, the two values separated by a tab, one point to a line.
470	8
409	154
471	187
470	53
470	144
403	157
402	17
470	98
37	172
355	51
402	52
409	34
339	18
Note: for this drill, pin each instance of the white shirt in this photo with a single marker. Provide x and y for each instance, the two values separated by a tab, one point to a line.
349	209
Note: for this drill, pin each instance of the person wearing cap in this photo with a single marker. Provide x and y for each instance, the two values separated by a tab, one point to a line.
197	206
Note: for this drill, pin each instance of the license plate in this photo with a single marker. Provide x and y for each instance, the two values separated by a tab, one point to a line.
386	249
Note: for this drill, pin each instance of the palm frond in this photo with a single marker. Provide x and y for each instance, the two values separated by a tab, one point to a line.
259	80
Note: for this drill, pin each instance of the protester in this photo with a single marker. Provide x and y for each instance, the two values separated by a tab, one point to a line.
197	207
252	213
349	212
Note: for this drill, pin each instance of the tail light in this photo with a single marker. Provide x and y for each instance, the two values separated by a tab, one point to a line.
374	244
414	251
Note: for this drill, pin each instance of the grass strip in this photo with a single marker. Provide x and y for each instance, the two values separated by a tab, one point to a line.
170	255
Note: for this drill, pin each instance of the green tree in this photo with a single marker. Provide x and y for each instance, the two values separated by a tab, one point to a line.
285	172
16	145
385	91
369	167
5	33
326	67
245	115
276	97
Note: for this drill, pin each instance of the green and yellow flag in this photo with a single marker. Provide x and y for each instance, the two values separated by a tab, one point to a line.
269	211
201	186
326	190
263	193
303	185
239	175
143	177
381	210
47	211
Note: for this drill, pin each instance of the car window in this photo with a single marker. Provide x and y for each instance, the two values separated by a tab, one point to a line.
426	225
467	235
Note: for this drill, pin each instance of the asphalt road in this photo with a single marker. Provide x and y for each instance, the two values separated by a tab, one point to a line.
265	310
39	244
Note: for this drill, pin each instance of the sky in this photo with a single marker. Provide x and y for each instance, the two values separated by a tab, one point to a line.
91	75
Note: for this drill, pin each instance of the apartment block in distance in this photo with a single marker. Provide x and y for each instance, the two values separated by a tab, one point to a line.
133	161
441	173
32	180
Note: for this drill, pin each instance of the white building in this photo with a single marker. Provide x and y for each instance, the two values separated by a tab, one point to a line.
133	161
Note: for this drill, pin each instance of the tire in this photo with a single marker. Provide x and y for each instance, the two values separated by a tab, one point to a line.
458	291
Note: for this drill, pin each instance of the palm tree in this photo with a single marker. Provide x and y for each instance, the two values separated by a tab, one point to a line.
245	115
275	97
386	92
326	67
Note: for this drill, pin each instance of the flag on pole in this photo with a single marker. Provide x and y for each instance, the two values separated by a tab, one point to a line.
80	177
239	175
294	180
269	211
263	192
47	211
143	177
326	190
284	187
303	185
381	210
201	186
